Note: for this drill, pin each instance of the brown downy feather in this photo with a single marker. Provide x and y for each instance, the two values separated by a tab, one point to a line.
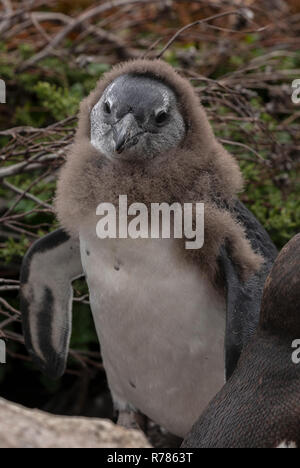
199	170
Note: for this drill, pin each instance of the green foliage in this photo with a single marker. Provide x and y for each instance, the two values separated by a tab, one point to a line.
278	212
14	248
25	50
59	102
83	329
52	93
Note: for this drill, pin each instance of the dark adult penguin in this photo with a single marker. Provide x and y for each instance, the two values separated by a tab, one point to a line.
162	312
259	407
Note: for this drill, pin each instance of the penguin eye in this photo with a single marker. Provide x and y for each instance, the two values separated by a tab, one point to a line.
161	117
107	107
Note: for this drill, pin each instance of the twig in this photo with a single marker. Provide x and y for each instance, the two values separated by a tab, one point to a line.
8	11
85	16
205	21
242	145
24	193
9	288
9	281
39	28
29	165
8	321
9	307
12	226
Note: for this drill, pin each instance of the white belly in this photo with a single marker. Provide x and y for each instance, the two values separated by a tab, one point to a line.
160	326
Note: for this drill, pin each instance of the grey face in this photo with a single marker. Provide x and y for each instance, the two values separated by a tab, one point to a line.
136	118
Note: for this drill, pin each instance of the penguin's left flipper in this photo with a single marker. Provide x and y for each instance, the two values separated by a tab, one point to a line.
47	271
244	298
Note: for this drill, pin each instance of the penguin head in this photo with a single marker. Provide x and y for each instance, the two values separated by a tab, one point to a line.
136	118
280	312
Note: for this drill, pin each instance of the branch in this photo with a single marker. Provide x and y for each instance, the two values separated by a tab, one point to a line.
26	195
29	165
205	21
85	16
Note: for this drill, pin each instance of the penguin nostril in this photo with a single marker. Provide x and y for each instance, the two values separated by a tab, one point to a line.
120	143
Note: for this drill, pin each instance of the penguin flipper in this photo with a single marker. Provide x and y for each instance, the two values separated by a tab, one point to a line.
233	285
244	298
47	271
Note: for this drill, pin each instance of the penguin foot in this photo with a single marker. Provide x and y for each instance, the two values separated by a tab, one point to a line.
132	420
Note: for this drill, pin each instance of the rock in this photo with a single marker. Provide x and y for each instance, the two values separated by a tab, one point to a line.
29	428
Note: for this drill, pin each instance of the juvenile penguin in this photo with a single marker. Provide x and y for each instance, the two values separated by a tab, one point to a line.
163	313
259	407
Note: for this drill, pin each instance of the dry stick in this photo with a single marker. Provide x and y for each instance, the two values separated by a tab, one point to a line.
291	119
9	288
84	361
85	16
150	48
14	336
15	30
13	227
19	356
243	145
28	165
78	358
24	193
35	18
83	299
49	150
9	281
242	71
6	314
95	354
10	170
13	132
9	307
51	16
204	21
23	215
40	29
38	16
113	39
8	321
8	11
29	226
217	83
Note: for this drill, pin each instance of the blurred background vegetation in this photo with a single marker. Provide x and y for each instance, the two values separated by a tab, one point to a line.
52	53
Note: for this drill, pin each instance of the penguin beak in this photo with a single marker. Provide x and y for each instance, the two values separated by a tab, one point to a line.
126	133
